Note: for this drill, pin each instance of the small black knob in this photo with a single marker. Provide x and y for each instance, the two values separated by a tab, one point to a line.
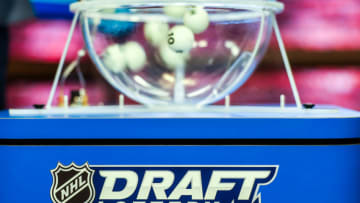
39	106
308	106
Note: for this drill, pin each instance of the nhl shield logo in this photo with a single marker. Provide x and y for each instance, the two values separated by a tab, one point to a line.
72	184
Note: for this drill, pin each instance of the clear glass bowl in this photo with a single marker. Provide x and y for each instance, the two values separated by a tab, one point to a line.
131	47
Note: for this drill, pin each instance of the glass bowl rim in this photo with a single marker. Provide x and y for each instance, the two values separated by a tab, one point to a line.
253	5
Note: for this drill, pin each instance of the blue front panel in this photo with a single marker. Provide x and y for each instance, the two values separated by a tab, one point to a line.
310	174
232	128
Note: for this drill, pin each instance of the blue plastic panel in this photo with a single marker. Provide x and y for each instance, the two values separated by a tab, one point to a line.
53	9
309	174
87	128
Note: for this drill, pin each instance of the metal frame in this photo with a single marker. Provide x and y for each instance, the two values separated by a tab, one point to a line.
259	6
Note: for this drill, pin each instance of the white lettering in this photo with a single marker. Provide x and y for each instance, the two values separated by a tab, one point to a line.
158	188
81	182
73	186
249	181
64	193
215	184
192	178
107	192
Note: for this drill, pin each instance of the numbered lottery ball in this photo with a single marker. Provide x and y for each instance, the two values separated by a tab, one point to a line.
171	59
196	19
156	33
114	58
181	39
135	56
175	11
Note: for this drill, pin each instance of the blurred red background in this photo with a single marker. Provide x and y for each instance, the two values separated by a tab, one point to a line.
322	38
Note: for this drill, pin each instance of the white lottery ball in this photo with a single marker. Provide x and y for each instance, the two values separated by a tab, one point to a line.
135	56
196	19
181	39
156	33
114	58
175	11
171	59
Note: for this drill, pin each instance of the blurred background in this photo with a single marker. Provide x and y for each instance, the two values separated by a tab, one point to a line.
322	38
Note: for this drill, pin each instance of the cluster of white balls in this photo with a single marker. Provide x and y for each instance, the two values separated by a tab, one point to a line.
174	43
130	55
196	20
